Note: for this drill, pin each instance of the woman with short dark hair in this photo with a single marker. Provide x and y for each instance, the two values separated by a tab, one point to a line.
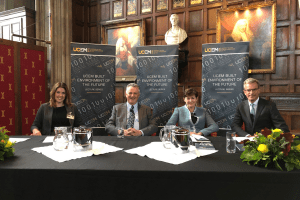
193	116
59	111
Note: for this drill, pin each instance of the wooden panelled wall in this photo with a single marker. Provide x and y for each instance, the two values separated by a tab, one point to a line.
283	87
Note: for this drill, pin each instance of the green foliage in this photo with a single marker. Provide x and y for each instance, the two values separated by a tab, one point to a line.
6	149
282	151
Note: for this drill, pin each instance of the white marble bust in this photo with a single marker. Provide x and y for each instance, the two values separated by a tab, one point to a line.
175	35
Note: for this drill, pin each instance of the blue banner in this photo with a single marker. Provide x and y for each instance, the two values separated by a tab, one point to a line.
157	76
93	82
224	69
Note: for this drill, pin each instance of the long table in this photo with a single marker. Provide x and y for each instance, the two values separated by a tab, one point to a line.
120	175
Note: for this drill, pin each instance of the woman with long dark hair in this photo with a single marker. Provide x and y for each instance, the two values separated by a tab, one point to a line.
59	111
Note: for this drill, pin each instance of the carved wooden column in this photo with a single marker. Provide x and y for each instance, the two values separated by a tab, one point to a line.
61	36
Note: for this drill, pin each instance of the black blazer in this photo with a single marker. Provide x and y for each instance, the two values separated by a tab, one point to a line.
267	115
43	118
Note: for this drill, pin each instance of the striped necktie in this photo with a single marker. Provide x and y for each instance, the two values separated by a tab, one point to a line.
130	122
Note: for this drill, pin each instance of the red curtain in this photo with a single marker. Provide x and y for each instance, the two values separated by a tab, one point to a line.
7	89
32	69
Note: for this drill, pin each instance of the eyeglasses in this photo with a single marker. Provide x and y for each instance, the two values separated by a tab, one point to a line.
253	90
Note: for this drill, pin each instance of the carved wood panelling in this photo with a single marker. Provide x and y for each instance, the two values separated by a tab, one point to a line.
283	10
79	11
295	125
79	36
105	11
288	103
195	46
120	90
298	37
297	88
282	38
281	68
195	72
212	18
92	13
211	38
148	22
280	88
93	34
196	21
161	42
298	9
78	22
180	95
257	76
161	25
297	68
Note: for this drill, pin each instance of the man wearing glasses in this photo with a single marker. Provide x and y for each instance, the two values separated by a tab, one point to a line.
256	113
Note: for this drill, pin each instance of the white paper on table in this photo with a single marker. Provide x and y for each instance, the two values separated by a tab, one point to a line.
16	140
156	150
198	138
69	154
240	139
48	139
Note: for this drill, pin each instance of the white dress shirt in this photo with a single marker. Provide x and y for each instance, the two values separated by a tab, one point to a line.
136	124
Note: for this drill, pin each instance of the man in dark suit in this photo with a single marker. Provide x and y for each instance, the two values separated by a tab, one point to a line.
256	113
134	118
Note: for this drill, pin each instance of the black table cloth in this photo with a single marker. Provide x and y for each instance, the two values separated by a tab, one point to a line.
120	175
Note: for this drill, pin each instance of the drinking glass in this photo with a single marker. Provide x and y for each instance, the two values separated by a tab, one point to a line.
193	129
165	136
83	139
60	140
69	133
230	142
120	132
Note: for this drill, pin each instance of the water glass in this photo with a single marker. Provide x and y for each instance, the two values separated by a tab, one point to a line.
166	137
120	132
230	142
69	133
83	139
60	140
192	129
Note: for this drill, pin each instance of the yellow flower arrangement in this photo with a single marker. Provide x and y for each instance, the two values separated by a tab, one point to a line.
298	147
8	144
273	148
6	149
263	148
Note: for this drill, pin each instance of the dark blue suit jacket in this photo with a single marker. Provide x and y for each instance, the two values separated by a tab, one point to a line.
266	115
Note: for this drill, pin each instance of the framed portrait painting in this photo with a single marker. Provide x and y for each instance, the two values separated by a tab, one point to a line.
118	9
126	36
195	2
161	5
256	24
178	4
131	7
146	6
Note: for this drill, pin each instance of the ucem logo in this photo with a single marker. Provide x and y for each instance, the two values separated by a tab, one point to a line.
211	49
80	49
145	52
